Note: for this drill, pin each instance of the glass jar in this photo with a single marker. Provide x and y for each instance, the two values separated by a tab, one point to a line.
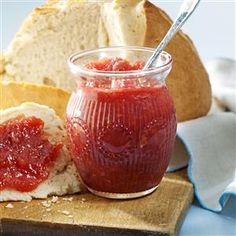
121	125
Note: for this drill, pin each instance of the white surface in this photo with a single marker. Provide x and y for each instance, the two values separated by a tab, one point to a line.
212	27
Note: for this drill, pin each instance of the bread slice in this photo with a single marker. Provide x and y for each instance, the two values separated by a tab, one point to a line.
39	51
63	178
15	93
125	22
47	37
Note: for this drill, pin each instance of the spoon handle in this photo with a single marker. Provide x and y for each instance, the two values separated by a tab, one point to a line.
186	9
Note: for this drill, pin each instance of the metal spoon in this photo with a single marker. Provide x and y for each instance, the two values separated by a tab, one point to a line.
186	9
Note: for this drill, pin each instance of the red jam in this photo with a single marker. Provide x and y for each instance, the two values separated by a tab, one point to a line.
26	155
114	64
121	138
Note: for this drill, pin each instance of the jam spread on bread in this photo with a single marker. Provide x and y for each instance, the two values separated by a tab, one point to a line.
26	155
121	138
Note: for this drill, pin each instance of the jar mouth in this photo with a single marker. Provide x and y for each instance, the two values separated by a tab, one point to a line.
165	65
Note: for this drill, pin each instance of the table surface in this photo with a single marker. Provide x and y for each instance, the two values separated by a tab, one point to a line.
198	221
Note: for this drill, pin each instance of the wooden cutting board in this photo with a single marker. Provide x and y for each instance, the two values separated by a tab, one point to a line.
160	213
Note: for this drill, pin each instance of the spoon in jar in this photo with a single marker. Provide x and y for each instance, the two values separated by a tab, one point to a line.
186	9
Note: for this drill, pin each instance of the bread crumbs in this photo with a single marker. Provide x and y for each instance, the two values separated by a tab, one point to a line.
67	213
46	203
9	205
54	199
69	199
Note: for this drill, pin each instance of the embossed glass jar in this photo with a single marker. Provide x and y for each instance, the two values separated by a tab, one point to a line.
121	125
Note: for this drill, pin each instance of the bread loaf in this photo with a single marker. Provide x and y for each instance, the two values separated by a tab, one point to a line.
63	178
15	93
39	50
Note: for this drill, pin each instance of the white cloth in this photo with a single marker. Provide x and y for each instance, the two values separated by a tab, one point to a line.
207	145
211	145
222	73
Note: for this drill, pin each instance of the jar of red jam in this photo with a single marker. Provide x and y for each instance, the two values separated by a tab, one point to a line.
121	121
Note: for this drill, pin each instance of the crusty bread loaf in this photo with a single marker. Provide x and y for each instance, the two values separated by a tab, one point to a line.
188	82
63	178
53	31
15	93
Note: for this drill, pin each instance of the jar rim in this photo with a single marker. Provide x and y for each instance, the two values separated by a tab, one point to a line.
76	69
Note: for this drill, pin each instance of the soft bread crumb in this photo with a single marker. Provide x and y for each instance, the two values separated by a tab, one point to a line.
53	32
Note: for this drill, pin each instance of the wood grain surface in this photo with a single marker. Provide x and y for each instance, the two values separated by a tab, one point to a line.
160	213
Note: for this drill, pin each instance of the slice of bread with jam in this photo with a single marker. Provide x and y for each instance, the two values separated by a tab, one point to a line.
34	160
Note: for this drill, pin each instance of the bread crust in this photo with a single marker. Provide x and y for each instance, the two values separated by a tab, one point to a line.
2	62
188	82
15	93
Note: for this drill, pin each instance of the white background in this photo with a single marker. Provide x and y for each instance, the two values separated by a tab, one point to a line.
212	27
